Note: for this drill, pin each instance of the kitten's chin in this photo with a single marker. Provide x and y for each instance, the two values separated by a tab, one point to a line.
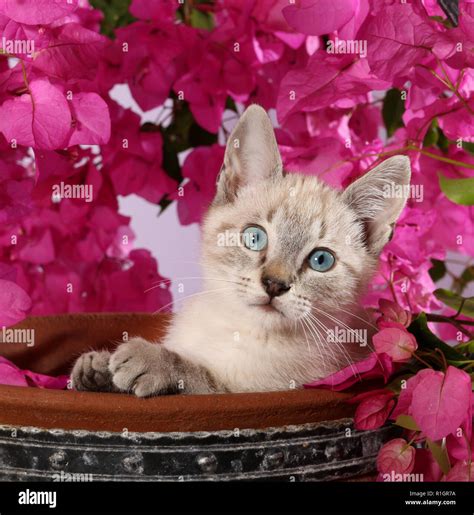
270	316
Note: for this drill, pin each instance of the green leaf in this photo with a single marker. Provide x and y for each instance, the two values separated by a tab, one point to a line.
116	15
468	147
170	161
199	136
392	110
440	454
444	21
230	104
201	20
467	347
455	301
407	422
460	364
443	142
438	270
182	133
466	277
164	203
432	134
459	191
429	341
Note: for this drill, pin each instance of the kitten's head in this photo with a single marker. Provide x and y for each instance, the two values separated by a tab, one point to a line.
277	246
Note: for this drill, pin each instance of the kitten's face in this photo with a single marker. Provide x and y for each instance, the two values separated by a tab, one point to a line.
277	247
311	256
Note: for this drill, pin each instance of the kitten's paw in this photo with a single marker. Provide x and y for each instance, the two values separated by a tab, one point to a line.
139	367
91	372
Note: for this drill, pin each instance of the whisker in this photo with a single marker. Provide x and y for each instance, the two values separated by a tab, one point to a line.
317	323
306	336
159	283
317	337
339	344
370	347
230	290
358	317
338	321
208	267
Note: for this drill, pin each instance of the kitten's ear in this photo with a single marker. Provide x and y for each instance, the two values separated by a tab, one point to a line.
251	154
379	197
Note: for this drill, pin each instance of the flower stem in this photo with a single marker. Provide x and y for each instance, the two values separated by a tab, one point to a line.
431	317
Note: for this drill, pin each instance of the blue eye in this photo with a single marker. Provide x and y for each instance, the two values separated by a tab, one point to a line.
321	260
255	238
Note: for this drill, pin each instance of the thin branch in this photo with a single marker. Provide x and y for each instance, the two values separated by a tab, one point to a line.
431	317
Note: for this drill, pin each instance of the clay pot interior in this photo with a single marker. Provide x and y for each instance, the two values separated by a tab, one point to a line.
60	339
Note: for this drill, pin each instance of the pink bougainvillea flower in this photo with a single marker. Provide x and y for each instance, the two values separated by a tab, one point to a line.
15	194
91	120
133	285
201	168
403	406
374	408
351	28
397	342
73	52
407	258
37	12
397	39
321	83
426	466
396	456
30	37
326	154
454	119
38	119
364	123
205	93
11	375
44	381
461	442
158	9
463	470
375	365
14	303
152	63
39	248
319	17
440	402
448	217
460	122
392	312
130	148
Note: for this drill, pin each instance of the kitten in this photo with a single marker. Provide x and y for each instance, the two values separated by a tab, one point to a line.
285	259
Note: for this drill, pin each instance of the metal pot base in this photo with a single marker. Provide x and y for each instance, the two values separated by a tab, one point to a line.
323	451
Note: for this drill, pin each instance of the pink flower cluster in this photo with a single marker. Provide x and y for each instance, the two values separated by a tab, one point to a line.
56	74
68	253
430	405
13	376
349	81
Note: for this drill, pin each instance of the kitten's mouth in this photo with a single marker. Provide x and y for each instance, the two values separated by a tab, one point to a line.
268	307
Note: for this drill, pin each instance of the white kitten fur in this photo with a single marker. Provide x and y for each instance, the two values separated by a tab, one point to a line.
249	348
237	336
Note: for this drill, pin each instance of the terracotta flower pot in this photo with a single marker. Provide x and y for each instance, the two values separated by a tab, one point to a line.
305	434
